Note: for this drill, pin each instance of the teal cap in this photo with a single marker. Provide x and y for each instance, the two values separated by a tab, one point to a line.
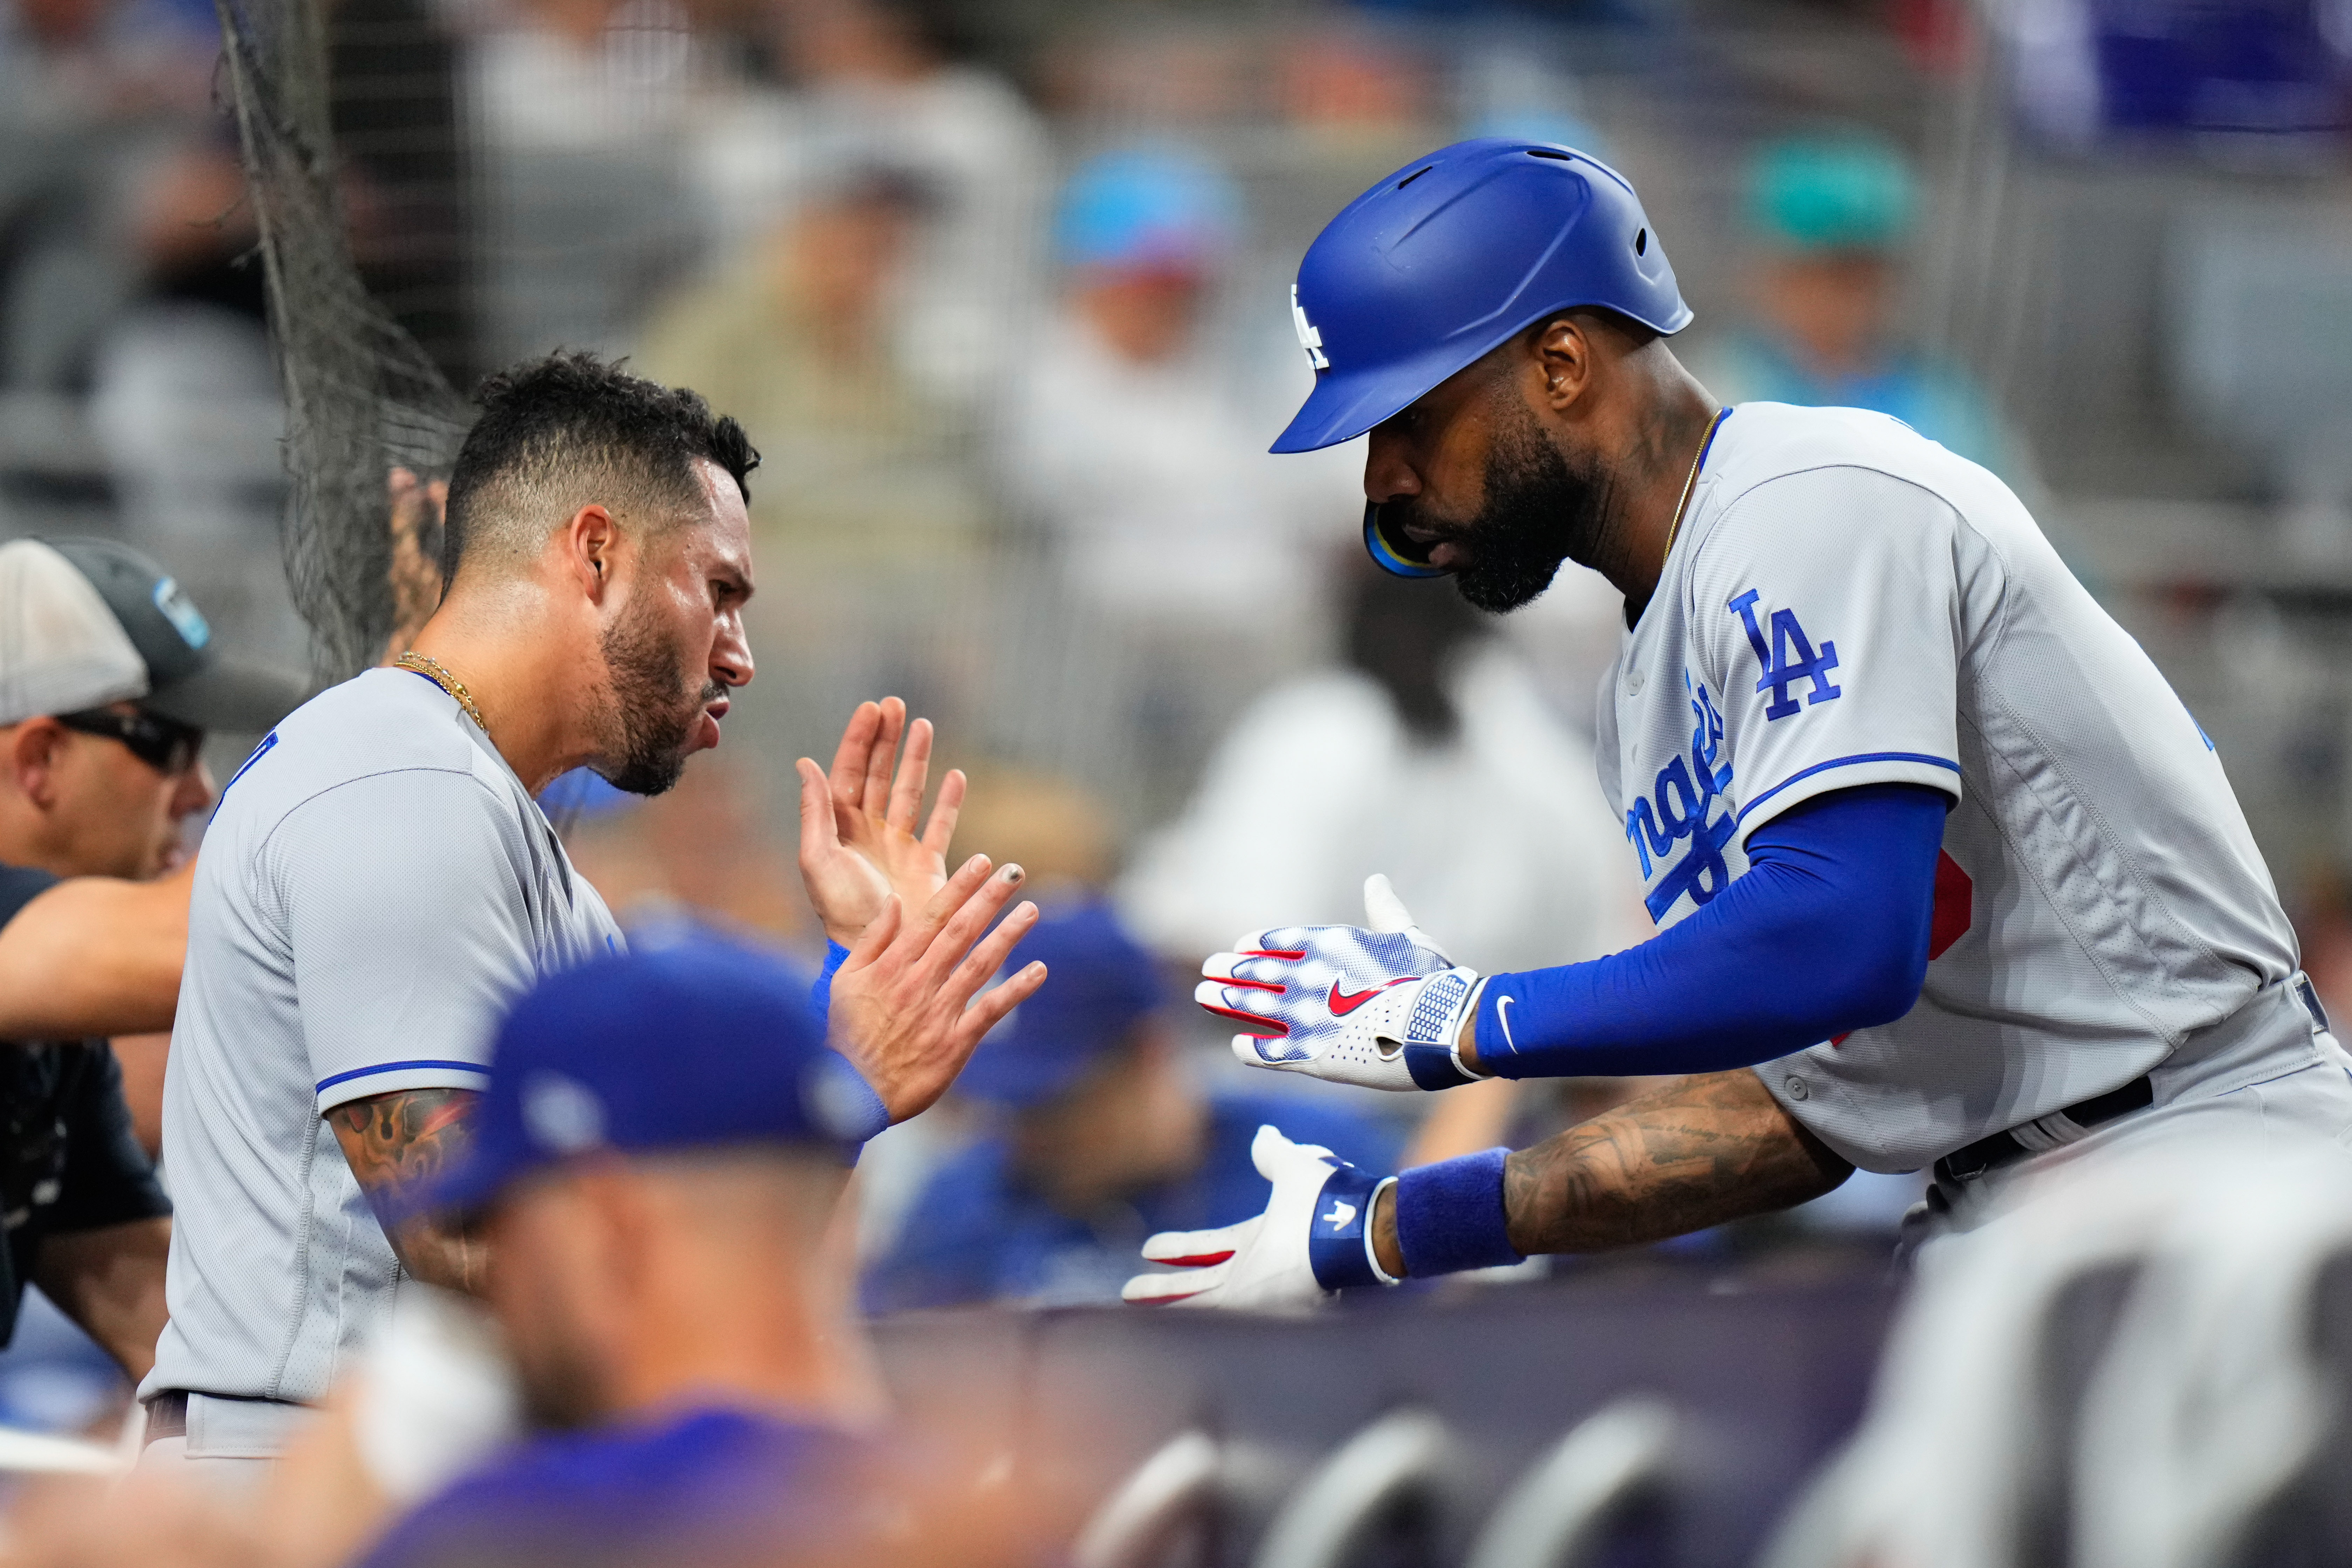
1831	192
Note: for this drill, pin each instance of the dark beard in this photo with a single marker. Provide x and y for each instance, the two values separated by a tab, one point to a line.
1540	511
657	710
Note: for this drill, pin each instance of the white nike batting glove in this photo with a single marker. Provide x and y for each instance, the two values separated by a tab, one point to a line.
1381	1008
1314	1238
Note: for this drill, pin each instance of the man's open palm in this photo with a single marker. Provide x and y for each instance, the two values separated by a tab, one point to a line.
858	839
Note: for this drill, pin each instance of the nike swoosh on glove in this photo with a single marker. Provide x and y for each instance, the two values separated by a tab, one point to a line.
1314	1238
1380	1006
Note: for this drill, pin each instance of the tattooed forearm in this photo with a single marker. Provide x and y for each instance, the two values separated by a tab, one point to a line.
1691	1153
395	1140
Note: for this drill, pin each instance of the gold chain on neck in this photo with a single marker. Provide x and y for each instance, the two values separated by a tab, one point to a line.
433	670
1691	479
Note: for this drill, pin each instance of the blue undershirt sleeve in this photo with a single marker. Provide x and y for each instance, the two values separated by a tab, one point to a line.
1827	932
836	955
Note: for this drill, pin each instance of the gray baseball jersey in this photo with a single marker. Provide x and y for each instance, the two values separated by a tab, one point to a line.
1847	602
375	885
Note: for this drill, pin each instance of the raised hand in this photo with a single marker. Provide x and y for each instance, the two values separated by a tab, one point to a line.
907	1009
858	843
1309	1242
1378	1005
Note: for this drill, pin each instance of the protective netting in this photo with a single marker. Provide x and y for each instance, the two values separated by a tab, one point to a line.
362	397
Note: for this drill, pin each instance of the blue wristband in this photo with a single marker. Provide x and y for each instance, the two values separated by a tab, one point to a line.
1450	1216
821	993
1335	1245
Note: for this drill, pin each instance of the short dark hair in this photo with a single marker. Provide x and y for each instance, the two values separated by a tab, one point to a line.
562	432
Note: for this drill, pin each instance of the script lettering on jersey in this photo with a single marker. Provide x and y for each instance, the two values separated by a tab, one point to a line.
1788	658
1686	794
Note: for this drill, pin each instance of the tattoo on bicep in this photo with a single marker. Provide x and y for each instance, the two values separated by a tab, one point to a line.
392	1140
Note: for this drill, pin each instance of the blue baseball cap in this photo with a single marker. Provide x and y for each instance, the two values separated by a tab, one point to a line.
695	1042
1147	207
1104	984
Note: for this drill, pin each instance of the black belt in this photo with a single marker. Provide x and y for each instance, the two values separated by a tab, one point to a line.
1989	1153
167	1414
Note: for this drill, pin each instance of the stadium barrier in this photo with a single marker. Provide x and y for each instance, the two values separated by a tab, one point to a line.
1522	1428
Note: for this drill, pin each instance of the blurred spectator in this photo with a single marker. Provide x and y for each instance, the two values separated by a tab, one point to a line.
79	62
892	79
1829	217
1108	1137
1428	756
794	341
1132	443
86	87
185	396
581	109
1129	442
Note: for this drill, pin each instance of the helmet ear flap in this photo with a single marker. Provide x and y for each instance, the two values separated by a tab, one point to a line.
1392	552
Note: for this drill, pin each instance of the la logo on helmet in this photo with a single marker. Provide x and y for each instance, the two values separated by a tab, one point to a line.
1310	337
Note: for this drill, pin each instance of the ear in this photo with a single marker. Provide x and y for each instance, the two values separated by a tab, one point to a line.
592	549
1563	352
31	755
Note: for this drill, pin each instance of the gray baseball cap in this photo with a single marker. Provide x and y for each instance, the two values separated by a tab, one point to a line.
85	622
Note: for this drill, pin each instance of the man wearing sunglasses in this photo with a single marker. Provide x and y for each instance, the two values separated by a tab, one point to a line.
108	685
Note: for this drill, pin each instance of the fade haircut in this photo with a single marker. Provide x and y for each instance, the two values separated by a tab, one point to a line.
568	431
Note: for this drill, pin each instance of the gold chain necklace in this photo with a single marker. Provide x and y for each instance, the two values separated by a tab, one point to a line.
1691	479
433	670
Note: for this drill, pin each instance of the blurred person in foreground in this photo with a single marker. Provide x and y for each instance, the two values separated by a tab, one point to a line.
1829	217
656	1168
666	1367
1108	1135
380	881
795	338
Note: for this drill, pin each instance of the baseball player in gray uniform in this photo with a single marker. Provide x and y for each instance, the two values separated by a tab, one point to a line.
1946	875
379	882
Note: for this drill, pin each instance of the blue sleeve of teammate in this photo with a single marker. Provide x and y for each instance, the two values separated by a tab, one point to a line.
836	955
1827	932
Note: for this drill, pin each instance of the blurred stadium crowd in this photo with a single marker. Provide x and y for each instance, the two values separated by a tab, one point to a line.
999	293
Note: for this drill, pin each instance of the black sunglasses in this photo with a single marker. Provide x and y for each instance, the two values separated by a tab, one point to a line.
167	746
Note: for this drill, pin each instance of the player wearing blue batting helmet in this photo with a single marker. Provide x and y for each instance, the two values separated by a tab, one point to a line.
1445	260
1873	812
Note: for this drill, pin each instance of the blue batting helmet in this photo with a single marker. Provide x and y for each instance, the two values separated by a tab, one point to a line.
1445	259
1448	256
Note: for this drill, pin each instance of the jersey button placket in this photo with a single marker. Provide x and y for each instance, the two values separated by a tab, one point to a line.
1799	1089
